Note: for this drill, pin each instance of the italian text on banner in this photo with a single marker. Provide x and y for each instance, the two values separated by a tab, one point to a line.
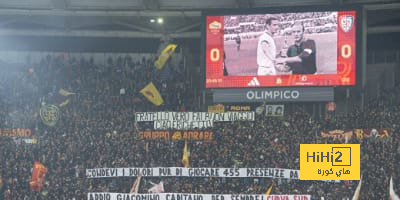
183	196
193	172
330	161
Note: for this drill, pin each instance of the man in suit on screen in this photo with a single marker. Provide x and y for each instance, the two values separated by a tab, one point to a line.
301	56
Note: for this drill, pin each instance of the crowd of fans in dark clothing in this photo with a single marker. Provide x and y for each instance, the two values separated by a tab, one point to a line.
97	130
314	22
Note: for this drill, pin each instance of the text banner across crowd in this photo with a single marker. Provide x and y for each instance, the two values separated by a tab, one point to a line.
193	172
190	120
184	196
15	132
339	134
176	135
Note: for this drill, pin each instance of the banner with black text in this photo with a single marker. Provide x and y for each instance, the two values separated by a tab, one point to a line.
193	172
185	196
190	120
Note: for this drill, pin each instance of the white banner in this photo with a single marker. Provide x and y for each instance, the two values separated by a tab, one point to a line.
182	125
183	196
190	120
194	116
193	172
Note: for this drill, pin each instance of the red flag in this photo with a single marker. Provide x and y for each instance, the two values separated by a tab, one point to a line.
38	173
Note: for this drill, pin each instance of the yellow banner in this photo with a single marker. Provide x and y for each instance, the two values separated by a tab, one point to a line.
15	132
329	161
176	135
164	56
152	94
216	108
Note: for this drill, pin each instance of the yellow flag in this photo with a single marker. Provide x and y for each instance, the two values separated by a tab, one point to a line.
135	186
185	157
64	103
65	92
164	56
152	94
268	192
147	147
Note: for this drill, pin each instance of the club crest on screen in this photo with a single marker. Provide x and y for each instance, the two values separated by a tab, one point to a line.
346	22
215	27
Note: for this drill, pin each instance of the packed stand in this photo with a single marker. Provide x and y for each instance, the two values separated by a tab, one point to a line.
247	25
97	130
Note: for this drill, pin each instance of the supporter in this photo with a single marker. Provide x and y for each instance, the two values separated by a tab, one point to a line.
96	130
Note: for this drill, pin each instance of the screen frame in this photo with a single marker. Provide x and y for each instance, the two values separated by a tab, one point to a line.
287	9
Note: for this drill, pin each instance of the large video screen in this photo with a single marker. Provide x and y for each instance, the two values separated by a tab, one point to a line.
280	49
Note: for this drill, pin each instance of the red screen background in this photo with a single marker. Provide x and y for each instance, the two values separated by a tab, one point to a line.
346	61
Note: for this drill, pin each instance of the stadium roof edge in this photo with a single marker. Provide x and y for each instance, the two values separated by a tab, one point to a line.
389	6
94	13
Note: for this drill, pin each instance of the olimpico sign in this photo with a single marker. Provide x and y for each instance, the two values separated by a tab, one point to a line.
292	94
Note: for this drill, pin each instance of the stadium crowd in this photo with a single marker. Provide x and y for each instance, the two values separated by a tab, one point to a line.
97	130
250	26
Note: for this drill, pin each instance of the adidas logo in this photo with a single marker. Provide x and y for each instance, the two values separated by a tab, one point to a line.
253	82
